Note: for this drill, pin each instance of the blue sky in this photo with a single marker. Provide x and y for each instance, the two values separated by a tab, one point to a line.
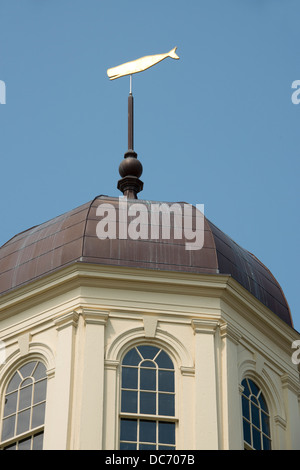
217	127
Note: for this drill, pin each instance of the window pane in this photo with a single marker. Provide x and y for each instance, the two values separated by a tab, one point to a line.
245	407
40	389
165	381
148	379
25	397
256	439
23	421
265	423
132	358
266	443
246	388
161	447
38	415
148	403
147	431
14	383
26	370
128	430
153	394
163	361
166	433
129	377
148	352
27	382
10	403
129	401
25	444
127	446
263	403
12	447
40	371
255	415
8	429
254	400
254	388
147	447
38	441
166	404
148	363
247	435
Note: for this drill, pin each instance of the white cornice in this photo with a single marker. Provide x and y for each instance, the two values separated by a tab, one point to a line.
79	275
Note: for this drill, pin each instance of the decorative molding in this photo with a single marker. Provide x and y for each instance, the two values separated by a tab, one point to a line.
205	326
23	342
290	384
279	421
95	317
229	331
259	363
111	365
44	351
66	320
150	324
50	373
187	371
163	339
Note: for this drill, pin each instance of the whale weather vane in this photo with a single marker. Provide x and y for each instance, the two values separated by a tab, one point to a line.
131	168
139	65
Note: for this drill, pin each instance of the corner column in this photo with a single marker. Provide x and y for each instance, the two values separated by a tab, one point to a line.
60	392
206	414
231	404
291	390
111	417
92	401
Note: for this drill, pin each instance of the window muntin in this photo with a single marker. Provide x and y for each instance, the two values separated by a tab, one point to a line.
256	418
147	400
24	408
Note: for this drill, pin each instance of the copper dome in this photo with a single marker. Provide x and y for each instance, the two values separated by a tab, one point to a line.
72	238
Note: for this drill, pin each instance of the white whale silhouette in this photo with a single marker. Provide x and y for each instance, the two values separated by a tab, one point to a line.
139	65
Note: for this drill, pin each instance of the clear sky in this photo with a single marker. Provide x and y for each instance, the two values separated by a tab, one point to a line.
217	127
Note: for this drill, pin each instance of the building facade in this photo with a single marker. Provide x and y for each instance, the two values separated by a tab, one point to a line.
142	344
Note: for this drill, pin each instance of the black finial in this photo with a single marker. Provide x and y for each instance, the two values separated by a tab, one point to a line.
130	168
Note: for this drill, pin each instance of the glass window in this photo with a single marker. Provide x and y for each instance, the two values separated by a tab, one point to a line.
24	408
147	400
256	418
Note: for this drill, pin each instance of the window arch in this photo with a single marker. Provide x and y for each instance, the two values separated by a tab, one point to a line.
22	425
256	417
147	419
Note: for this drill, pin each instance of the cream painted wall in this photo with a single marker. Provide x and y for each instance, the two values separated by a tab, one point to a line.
81	321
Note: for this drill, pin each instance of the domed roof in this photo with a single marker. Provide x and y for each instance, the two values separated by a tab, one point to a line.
72	238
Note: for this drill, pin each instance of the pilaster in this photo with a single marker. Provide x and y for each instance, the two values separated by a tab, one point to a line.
92	398
60	385
206	415
232	432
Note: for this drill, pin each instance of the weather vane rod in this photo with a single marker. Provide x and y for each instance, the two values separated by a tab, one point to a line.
131	169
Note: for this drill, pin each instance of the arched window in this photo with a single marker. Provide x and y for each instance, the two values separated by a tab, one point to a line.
22	426
256	418
147	400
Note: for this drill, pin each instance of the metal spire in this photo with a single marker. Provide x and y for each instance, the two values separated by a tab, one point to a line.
131	168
